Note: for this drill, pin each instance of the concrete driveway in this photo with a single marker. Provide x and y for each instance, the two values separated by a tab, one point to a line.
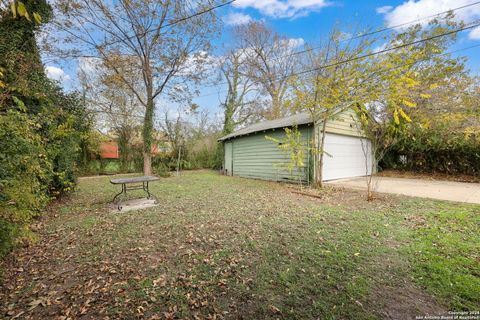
443	190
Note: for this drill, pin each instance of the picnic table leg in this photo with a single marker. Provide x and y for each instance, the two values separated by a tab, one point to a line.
118	196
147	190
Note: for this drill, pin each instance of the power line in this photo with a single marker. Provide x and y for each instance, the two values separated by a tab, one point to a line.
352	38
382	71
371	54
155	30
393	48
361	35
200	13
405	65
302	51
361	56
367	34
174	22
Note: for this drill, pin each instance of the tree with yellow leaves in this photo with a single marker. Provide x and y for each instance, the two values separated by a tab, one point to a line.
383	85
405	76
330	86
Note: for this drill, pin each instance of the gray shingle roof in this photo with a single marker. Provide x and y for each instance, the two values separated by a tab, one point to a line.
296	119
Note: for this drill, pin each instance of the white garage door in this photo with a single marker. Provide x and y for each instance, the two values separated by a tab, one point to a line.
345	157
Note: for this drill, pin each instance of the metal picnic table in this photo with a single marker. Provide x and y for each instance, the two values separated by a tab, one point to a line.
135	182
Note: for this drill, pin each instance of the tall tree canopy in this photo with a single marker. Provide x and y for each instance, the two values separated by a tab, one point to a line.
269	62
240	104
165	41
21	71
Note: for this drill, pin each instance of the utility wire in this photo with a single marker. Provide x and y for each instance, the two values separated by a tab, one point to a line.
361	56
302	51
361	35
393	48
173	22
382	71
353	59
352	38
404	65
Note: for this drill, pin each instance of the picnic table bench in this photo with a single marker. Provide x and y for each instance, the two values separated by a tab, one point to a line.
134	185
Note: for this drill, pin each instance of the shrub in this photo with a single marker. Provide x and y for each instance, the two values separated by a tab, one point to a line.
162	170
435	150
205	153
38	156
25	175
42	129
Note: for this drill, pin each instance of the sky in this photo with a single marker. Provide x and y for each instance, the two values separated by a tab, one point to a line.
310	20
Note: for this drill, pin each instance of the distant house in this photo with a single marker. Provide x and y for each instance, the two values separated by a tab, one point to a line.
109	148
247	153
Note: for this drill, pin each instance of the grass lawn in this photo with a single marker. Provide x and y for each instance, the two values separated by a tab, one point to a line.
222	247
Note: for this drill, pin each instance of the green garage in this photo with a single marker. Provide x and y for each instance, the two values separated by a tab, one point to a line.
248	153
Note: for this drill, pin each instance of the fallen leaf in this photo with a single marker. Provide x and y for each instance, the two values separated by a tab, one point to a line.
274	309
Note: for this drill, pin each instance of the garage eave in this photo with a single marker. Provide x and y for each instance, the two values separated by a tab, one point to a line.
296	119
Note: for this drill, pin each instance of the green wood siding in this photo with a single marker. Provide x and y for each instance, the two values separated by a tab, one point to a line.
228	153
256	157
253	156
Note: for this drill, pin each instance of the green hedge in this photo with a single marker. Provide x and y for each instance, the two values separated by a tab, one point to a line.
435	151
38	162
25	176
42	129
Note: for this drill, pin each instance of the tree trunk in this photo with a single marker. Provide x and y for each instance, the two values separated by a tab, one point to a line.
275	111
229	124
320	153
315	158
147	164
373	167
147	137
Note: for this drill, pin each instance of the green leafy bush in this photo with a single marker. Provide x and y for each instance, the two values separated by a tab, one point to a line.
25	176
206	157
436	150
38	162
162	170
25	172
43	131
163	161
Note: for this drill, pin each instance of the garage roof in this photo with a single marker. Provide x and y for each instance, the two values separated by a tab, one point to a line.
296	119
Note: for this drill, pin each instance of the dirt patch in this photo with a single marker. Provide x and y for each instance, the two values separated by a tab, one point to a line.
405	302
429	176
346	198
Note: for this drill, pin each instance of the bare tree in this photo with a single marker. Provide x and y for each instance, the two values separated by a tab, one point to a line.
115	107
269	62
163	40
110	99
176	130
237	110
